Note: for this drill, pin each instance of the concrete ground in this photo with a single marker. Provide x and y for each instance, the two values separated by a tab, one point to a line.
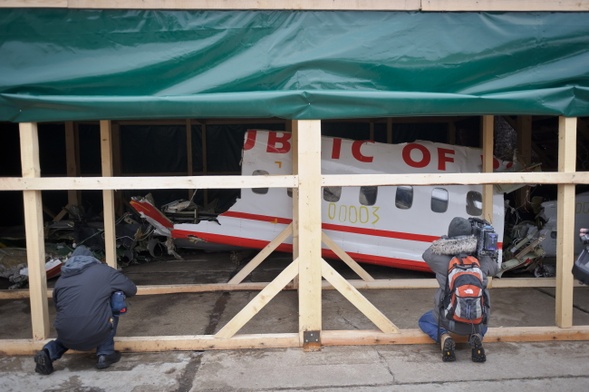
544	366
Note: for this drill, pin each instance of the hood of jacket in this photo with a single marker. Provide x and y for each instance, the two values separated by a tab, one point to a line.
455	245
76	264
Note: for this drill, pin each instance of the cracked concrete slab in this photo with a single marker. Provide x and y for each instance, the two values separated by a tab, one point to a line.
525	367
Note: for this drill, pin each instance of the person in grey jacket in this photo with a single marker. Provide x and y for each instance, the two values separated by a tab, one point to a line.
85	319
460	240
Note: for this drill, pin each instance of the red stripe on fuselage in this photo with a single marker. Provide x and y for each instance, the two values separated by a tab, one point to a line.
259	244
360	257
329	226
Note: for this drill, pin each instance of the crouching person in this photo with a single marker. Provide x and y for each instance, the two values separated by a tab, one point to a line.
85	319
441	322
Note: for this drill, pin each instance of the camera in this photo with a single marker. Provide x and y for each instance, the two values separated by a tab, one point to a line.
584	236
581	265
486	238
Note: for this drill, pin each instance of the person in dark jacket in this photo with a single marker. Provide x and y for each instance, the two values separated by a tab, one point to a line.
460	240
85	319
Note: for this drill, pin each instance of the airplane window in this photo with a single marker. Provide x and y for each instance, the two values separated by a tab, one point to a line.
368	195
332	193
439	200
260	191
474	203
404	197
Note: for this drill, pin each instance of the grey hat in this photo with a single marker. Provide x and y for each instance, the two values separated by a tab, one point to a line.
458	227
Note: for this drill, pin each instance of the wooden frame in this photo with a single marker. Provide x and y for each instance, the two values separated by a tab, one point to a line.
306	270
33	209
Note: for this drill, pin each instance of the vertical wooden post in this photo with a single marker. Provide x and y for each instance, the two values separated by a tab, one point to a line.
189	157
524	138
115	143
565	222
308	216
488	124
291	126
35	239
452	132
108	200
389	130
72	156
117	162
205	166
524	149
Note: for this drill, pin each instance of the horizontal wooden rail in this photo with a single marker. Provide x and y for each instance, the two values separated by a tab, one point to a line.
154	182
377	284
290	181
309	5
530	178
284	340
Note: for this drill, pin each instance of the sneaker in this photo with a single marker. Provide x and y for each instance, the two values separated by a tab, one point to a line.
105	361
448	347
478	351
44	363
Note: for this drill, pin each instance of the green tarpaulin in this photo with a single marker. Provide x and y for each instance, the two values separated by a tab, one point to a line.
59	64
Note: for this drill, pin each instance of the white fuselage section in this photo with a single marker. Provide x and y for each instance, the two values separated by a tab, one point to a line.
386	225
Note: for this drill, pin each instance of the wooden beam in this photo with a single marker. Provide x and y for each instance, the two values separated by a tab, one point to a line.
108	199
488	128
35	238
416	336
259	301
262	255
455	178
452	132
377	284
330	5
12	347
524	152
524	139
307	135
504	5
289	126
164	182
232	182
72	156
189	155
357	299
350	262
204	159
117	164
565	222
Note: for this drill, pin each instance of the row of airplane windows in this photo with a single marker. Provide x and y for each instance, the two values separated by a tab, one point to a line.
404	195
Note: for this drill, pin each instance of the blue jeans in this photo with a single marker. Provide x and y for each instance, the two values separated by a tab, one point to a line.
56	348
429	325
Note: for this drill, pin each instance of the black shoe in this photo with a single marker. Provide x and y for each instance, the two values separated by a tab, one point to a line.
44	363
105	361
478	351
448	354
